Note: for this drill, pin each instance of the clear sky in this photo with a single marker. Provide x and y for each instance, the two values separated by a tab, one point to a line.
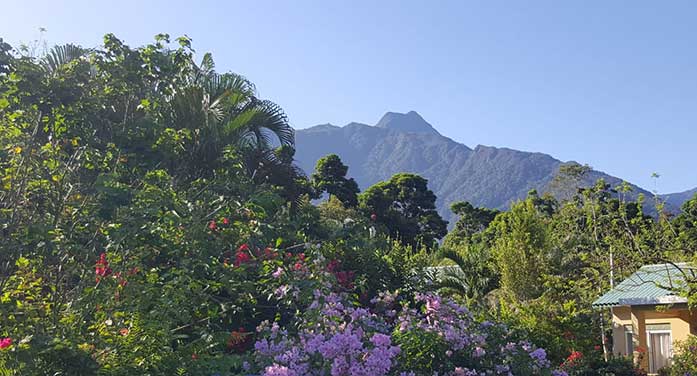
608	83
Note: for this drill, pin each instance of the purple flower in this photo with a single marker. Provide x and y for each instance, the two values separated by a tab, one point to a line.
278	370
539	354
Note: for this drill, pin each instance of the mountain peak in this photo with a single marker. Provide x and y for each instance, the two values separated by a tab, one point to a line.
410	122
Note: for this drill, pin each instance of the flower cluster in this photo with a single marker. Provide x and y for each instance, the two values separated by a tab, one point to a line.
101	268
5	342
468	347
343	277
336	337
239	340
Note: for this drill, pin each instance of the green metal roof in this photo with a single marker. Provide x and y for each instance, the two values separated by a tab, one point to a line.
650	285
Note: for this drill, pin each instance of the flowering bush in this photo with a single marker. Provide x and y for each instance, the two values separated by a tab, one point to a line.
335	337
685	358
427	336
579	364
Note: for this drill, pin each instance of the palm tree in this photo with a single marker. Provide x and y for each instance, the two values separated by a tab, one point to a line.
59	56
222	111
468	276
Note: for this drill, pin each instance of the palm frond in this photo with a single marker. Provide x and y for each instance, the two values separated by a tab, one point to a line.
59	56
456	257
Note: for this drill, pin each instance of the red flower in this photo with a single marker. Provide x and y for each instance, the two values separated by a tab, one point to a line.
345	279
242	258
373	217
239	340
212	225
243	248
596	347
301	256
5	342
332	266
574	356
101	268
298	266
226	221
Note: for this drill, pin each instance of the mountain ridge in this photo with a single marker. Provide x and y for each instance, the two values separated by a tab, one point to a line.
488	176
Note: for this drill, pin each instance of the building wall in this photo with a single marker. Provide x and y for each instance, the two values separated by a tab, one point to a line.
621	316
682	324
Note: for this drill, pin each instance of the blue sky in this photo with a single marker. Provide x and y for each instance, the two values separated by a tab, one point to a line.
608	83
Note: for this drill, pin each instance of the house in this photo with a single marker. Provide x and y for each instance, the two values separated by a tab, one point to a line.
648	317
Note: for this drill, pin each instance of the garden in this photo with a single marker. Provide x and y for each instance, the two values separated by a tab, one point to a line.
153	223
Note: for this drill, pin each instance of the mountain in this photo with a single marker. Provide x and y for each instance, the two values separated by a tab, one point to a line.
677	199
485	176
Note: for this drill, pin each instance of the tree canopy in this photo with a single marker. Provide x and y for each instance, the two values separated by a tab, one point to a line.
406	208
330	176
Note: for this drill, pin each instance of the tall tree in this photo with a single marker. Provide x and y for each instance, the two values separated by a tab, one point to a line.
472	221
330	176
406	208
215	111
522	250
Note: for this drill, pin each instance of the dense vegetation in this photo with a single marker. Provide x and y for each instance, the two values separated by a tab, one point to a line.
485	176
154	223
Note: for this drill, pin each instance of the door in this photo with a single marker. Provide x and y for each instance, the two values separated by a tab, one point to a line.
660	351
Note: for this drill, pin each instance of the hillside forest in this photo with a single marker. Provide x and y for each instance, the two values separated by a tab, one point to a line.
154	222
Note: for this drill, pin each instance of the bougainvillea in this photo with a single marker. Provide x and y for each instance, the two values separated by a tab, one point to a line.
339	338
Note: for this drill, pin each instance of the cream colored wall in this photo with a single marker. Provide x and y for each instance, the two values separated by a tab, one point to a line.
621	316
640	336
682	324
679	321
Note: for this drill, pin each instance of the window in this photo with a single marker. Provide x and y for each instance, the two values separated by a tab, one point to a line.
629	339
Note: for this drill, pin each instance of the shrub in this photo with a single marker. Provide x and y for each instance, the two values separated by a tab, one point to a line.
685	358
423	335
592	364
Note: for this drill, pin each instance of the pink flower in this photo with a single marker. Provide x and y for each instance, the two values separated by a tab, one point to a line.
432	305
212	225
5	342
101	268
278	272
226	221
373	217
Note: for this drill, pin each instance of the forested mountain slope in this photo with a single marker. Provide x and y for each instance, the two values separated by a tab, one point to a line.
485	176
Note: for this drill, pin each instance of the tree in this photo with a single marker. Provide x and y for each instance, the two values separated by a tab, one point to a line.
469	276
522	250
215	111
472	221
330	177
406	208
686	226
568	179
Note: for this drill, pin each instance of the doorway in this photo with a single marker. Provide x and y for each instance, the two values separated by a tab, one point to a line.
660	349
